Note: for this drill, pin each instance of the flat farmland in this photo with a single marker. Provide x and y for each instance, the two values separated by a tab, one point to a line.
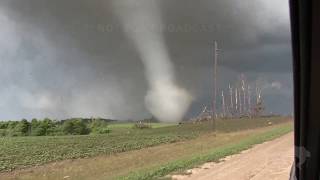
24	152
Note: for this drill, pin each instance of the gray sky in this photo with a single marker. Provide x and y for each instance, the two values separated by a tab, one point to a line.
73	58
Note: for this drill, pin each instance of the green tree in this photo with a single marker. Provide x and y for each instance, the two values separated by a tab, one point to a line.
80	128
34	122
4	125
67	127
43	128
3	132
12	124
22	128
99	126
75	127
35	129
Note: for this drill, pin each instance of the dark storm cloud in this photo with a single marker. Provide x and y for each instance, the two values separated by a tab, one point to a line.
72	58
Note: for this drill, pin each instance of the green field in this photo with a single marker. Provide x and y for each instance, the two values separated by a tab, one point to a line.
20	152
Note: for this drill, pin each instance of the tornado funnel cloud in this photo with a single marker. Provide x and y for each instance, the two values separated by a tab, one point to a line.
165	99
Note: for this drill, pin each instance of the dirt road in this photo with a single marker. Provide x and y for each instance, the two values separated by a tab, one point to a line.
268	161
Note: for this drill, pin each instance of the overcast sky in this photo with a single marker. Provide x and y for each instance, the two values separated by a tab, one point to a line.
73	58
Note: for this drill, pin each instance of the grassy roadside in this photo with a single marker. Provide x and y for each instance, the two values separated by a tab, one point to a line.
213	155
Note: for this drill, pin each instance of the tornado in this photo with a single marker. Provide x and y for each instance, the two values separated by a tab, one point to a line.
142	23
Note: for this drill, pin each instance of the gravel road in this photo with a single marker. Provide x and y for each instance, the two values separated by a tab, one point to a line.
268	161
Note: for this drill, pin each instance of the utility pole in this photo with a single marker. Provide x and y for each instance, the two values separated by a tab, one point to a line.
249	101
236	98
223	105
240	102
231	96
214	108
244	109
258	94
214	101
231	111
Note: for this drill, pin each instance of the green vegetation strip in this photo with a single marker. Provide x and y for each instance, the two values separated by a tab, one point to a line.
212	156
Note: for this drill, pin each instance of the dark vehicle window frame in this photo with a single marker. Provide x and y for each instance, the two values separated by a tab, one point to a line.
305	25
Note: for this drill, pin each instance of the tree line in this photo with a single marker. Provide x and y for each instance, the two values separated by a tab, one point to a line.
48	127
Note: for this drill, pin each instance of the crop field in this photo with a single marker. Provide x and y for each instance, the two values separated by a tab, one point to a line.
21	152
